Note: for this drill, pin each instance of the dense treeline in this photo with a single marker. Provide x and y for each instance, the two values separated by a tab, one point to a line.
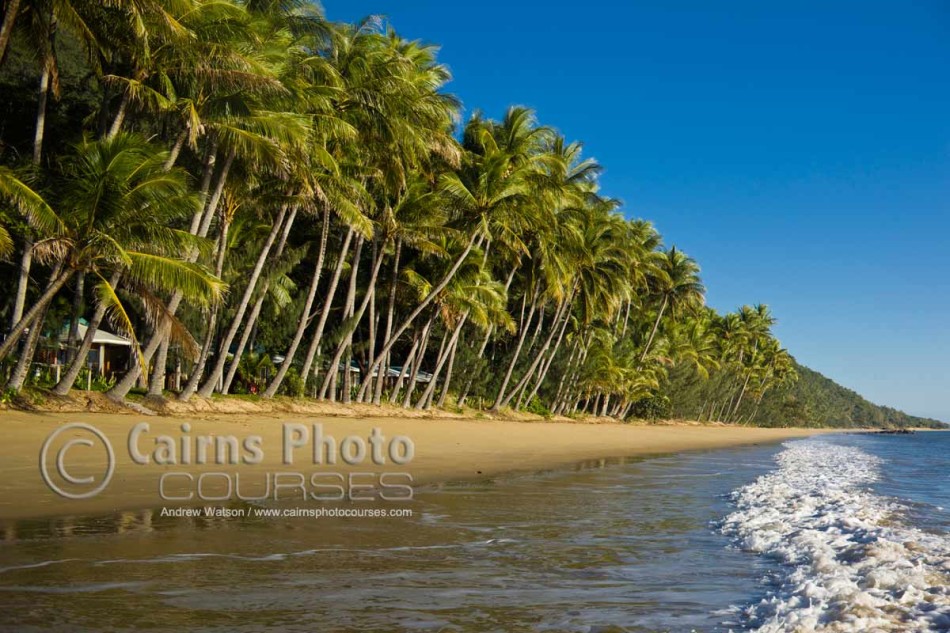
812	400
267	202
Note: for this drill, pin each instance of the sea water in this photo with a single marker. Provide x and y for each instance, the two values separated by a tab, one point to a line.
837	533
858	527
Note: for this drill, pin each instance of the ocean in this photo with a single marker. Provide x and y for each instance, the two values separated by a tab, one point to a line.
833	533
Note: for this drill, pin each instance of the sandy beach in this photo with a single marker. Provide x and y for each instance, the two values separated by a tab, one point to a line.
442	450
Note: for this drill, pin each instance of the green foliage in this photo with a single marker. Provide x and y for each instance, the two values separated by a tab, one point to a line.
823	402
253	372
537	407
658	407
98	383
812	401
293	384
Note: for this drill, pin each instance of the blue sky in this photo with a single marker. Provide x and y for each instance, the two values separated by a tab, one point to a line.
800	151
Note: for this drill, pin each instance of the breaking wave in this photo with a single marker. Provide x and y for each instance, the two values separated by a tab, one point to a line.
848	561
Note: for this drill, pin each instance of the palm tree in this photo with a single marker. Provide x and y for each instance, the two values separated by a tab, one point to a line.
756	323
677	285
115	201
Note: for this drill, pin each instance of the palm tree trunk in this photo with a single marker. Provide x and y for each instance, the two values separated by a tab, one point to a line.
448	372
256	310
417	361
6	29
156	386
481	353
745	385
626	319
348	308
72	339
426	400
722	411
372	323
537	331
59	279
212	206
616	408
732	392
125	384
397	387
40	129
603	409
488	333
199	367
216	373
156	382
23	282
22	368
207	173
327	303
423	305
347	376
242	344
176	149
26	261
561	311
568	366
348	341
197	371
48	60
302	323
500	396
758	401
546	364
439	359
390	311
119	115
571	388
65	384
448	377
656	325
348	337
626	411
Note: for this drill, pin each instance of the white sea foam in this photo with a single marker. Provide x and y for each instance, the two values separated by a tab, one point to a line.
849	563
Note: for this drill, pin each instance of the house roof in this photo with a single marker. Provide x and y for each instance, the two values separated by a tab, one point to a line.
101	337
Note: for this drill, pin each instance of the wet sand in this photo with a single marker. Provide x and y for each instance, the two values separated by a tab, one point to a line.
443	450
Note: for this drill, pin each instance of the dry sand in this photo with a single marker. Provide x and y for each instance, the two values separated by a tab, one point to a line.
444	450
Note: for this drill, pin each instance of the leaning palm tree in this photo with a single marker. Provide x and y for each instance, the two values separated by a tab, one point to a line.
117	204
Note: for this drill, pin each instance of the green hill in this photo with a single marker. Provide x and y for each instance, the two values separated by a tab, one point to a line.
813	400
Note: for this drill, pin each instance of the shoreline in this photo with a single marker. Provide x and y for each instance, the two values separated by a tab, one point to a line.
445	450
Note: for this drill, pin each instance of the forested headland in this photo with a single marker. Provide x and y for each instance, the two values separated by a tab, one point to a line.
813	400
264	202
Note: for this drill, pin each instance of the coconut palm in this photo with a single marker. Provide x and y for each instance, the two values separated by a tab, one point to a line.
116	201
676	285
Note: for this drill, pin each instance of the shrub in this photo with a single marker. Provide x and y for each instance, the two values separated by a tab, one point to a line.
656	407
293	384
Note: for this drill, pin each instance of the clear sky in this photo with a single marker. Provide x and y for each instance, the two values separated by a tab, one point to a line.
799	150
